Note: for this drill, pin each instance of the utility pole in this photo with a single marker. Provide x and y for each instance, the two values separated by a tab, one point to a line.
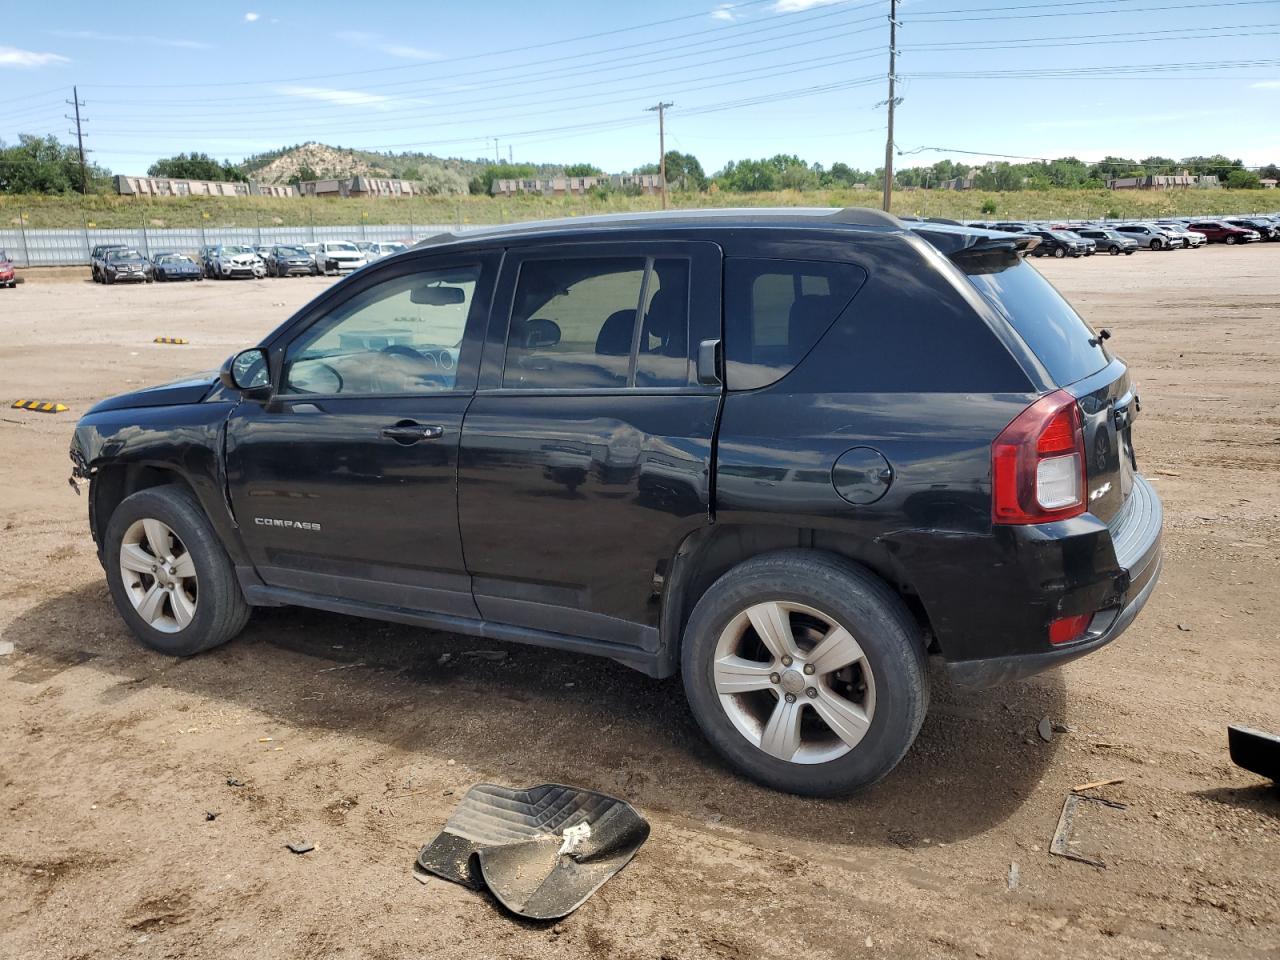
892	102
497	156
75	102
661	109
511	154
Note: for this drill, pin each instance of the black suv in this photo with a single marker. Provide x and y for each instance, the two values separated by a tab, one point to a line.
786	454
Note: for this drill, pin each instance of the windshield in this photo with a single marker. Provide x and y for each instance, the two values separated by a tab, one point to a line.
124	255
290	252
342	246
174	258
231	250
1055	333
394	247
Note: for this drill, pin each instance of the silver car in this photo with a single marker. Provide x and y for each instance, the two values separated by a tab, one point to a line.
1150	236
232	260
1190	238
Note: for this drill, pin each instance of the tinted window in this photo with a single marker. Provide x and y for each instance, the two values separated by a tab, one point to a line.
400	336
1053	331
573	323
662	358
776	310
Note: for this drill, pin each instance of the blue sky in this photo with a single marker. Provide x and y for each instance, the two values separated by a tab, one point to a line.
559	82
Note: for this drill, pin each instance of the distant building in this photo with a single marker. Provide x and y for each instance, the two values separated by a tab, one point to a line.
178	187
957	183
576	186
356	187
1267	183
1161	182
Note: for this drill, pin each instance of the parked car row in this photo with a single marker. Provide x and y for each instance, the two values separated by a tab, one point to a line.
1084	238
119	262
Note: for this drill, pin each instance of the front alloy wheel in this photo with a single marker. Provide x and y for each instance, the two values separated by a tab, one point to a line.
159	575
794	682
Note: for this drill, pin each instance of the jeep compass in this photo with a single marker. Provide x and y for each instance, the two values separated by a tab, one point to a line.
787	454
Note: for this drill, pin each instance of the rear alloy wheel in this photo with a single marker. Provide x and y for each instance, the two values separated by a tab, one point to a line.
1230	239
806	672
167	572
1114	251
1157	244
1060	252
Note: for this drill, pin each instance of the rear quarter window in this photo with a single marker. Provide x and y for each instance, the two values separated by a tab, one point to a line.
1056	334
776	311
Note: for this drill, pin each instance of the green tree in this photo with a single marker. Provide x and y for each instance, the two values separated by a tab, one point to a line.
304	173
1243	180
43	165
582	170
196	166
684	172
1269	172
748	176
482	182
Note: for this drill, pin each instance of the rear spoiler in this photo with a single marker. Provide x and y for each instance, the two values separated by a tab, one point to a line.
993	254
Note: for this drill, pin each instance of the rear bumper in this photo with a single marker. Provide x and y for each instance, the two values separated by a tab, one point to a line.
1115	592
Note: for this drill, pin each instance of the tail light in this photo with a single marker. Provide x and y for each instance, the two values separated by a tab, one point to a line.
1037	464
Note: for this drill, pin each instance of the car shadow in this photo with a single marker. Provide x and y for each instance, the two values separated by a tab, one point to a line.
522	715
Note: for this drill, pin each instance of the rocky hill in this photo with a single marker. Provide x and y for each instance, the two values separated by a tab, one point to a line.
435	174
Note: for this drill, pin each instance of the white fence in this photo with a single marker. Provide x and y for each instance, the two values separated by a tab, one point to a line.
52	248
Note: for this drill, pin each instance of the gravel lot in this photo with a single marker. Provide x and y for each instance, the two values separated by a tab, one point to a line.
113	756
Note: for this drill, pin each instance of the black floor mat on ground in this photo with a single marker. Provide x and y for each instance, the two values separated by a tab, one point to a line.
541	851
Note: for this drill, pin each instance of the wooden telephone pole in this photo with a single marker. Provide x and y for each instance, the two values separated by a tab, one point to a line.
661	109
888	146
76	102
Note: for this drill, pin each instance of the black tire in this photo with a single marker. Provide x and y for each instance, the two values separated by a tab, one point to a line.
1230	239
852	597
1059	252
1114	251
1157	244
220	612
108	278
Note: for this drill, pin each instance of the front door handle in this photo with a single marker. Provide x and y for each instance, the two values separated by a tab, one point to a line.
408	432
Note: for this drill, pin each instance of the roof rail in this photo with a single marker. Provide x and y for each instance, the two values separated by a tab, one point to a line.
866	217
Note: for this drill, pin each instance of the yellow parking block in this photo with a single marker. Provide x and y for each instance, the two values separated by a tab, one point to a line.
169	340
40	406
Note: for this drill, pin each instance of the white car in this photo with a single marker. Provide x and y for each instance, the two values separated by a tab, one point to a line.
339	256
231	260
376	250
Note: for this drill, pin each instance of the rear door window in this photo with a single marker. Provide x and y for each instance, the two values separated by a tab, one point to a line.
776	311
1056	334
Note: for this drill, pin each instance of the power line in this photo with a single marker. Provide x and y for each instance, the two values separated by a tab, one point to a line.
525	80
1004	15
490	53
724	79
526	83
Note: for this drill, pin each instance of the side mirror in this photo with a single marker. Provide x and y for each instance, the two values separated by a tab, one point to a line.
248	374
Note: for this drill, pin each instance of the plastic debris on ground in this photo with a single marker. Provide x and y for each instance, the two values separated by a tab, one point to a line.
541	851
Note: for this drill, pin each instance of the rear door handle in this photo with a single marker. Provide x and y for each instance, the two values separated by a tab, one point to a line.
407	432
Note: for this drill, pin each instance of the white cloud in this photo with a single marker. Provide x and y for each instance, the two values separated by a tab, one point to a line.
342	98
1266	85
251	17
132	38
374	41
724	12
794	6
14	57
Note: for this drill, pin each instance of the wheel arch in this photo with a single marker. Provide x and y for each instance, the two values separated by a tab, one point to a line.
710	552
113	482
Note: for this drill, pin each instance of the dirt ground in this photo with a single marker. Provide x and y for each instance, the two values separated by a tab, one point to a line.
360	737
